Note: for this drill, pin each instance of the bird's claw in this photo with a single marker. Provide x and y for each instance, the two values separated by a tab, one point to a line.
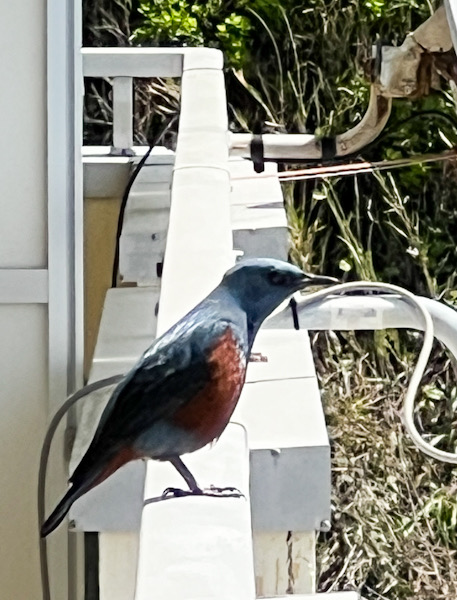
225	492
212	491
178	493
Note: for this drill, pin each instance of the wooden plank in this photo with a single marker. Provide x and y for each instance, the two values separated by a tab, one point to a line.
280	407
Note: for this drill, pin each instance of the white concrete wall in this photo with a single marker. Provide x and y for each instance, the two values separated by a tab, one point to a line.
23	133
23	326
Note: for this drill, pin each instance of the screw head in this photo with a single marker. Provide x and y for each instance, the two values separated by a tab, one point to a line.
325	526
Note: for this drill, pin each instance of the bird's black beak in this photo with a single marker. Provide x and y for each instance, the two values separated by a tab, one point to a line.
315	280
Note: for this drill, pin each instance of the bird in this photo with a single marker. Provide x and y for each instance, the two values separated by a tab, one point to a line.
181	393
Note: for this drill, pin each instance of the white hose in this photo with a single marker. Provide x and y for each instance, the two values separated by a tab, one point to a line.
409	402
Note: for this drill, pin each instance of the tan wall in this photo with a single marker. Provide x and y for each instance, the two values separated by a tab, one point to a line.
100	225
23	373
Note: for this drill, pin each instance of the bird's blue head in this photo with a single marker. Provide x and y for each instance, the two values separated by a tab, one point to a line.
259	285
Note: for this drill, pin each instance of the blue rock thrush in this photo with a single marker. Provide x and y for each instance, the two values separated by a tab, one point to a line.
182	392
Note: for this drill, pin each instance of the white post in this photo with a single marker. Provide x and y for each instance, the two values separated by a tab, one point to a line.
122	115
66	330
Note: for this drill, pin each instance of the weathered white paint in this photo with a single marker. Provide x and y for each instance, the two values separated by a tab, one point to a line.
127	328
201	195
132	62
199	244
258	218
148	62
281	408
145	227
122	339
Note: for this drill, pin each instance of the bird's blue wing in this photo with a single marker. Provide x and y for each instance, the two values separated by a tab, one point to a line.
170	373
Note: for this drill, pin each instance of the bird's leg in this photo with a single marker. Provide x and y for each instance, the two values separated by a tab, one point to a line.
185	473
188	478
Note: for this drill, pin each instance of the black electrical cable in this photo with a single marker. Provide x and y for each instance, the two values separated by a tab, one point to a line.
44	457
126	194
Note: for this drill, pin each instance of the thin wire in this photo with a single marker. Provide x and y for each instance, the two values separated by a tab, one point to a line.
340	170
409	402
44	458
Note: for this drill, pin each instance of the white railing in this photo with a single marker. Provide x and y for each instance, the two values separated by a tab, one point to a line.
198	250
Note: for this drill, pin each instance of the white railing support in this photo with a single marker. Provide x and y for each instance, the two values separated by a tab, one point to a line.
122	115
124	64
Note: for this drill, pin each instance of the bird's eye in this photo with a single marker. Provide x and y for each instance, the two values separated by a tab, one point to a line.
277	278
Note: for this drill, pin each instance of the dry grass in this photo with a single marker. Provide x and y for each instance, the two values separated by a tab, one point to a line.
394	510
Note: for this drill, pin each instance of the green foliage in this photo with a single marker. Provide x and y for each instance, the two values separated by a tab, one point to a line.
182	22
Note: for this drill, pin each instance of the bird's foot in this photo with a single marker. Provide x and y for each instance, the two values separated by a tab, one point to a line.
225	492
178	493
212	491
257	357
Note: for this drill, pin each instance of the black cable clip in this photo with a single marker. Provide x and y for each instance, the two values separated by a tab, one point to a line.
257	153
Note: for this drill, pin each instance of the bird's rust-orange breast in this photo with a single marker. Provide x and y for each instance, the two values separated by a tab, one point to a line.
208	413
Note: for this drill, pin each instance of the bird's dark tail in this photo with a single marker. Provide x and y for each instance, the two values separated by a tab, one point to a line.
81	482
88	474
61	510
